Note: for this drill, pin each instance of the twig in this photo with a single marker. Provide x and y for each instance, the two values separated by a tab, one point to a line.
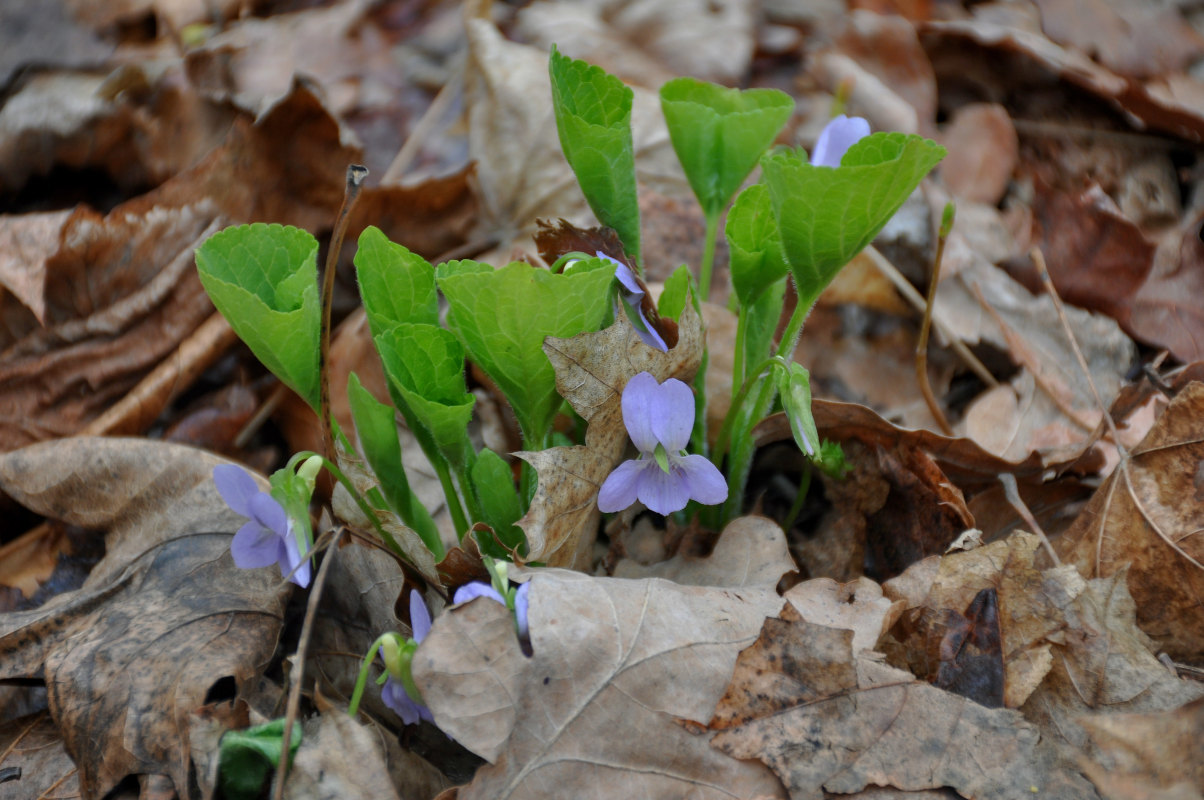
904	287
355	179
426	123
1012	492
922	343
298	672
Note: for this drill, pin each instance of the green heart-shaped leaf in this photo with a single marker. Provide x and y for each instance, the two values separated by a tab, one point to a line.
826	215
593	118
503	316
425	368
719	133
754	245
264	280
395	284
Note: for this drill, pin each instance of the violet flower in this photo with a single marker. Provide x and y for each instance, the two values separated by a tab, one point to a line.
633	296
659	418
475	589
268	538
393	693
836	138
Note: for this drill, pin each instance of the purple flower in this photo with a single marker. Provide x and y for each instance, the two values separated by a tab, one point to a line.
659	418
838	136
475	589
633	296
268	538
393	693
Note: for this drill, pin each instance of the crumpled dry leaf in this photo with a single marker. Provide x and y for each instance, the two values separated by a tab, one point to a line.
1163	313
1102	665
1148	756
512	136
983	151
1148	515
34	745
858	606
1029	613
116	295
648	42
751	553
338	757
162	619
591	371
617	666
796	703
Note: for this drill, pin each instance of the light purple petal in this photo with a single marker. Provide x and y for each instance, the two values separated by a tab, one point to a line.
673	415
471	591
255	546
292	565
520	610
649	334
702	479
621	487
393	694
625	276
236	486
836	138
420	616
639	399
267	511
663	492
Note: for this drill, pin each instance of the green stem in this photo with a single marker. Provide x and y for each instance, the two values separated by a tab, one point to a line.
800	497
708	257
740	463
733	412
362	680
459	521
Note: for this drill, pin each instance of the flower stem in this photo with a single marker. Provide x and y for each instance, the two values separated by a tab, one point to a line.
708	257
358	694
459	521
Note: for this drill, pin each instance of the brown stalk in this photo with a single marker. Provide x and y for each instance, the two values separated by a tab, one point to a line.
926	325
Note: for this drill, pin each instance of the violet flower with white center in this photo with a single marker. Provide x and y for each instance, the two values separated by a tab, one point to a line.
633	296
394	693
836	138
659	418
475	589
268	538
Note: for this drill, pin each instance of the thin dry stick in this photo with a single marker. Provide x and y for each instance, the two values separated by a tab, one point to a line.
926	325
904	287
1012	492
355	179
298	673
426	124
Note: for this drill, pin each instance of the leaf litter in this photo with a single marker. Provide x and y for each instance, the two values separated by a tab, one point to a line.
848	654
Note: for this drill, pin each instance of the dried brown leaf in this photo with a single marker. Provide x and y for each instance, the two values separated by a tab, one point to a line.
1148	515
796	703
1149	756
591	371
751	553
617	665
162	618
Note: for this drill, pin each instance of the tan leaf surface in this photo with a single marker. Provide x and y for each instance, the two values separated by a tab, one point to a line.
1148	515
34	745
795	703
339	758
161	619
1150	756
858	606
751	553
616	665
591	371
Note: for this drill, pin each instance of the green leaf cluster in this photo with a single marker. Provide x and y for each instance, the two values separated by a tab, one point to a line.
248	757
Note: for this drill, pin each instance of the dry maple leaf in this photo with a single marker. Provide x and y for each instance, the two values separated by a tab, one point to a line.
164	618
591	371
616	665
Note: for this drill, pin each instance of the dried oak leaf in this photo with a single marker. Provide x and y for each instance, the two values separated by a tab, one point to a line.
619	668
163	617
591	371
751	552
1148	515
1163	312
34	746
796	703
